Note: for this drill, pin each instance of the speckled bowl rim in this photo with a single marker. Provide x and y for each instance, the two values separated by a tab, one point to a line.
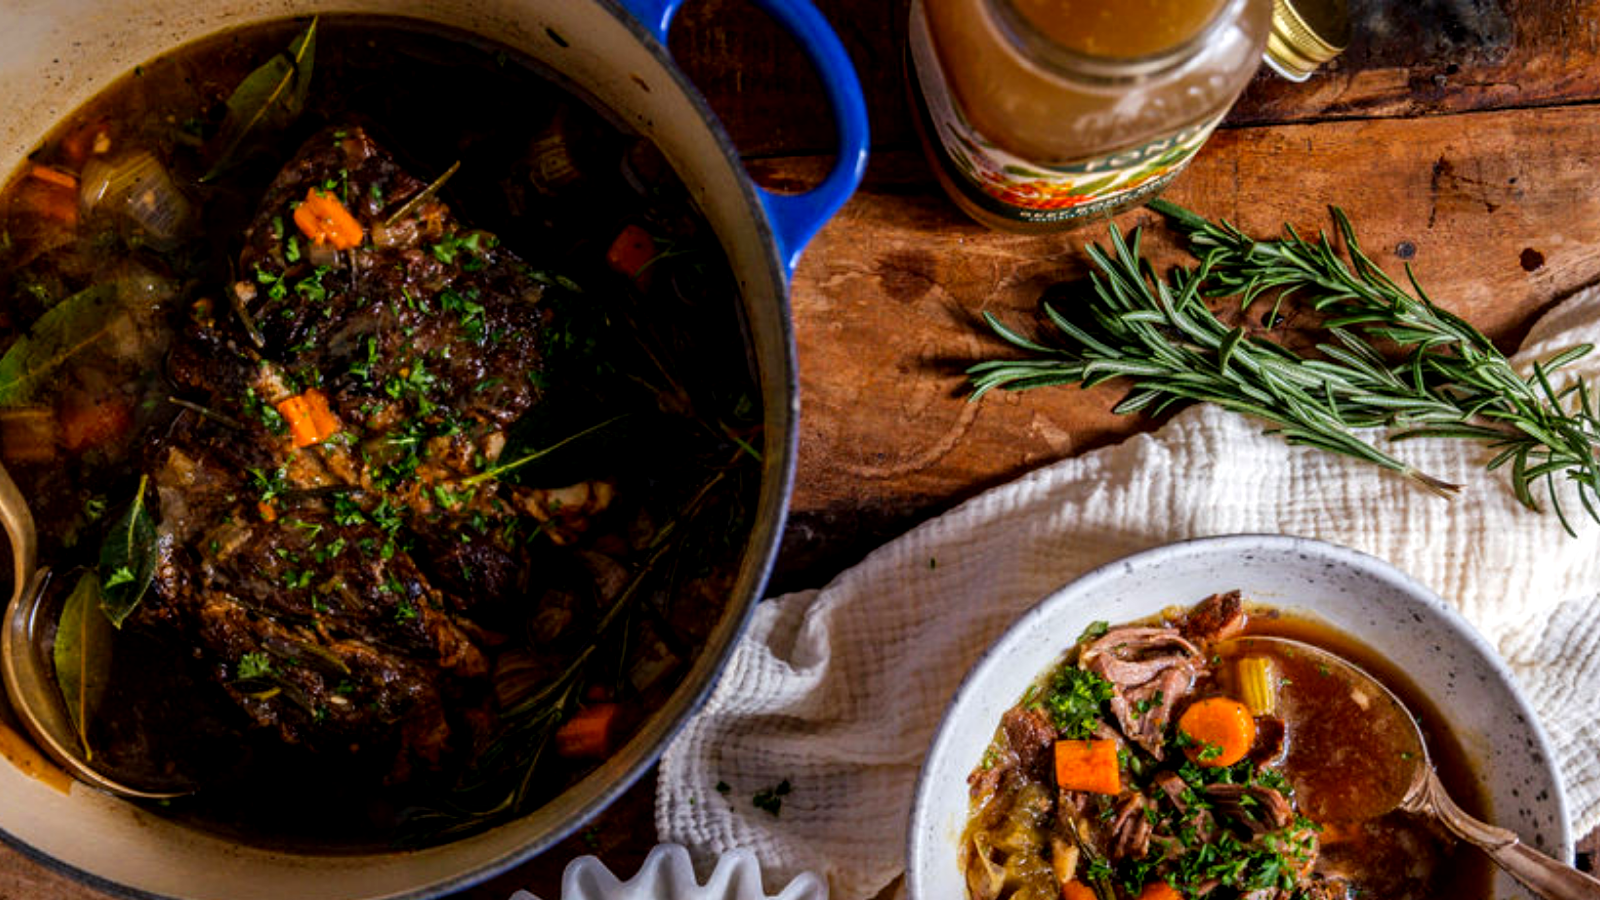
922	842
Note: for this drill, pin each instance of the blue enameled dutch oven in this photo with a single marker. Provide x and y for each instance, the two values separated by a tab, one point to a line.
56	54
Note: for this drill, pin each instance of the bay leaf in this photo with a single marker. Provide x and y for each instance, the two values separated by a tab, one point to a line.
65	330
268	99
82	655
128	559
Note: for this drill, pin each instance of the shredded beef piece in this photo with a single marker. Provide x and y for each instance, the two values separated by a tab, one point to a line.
1260	809
1150	671
1175	788
1134	655
1130	828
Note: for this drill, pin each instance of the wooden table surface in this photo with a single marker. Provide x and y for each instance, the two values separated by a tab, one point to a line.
1463	137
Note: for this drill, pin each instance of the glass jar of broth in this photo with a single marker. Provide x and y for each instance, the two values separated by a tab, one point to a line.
1039	114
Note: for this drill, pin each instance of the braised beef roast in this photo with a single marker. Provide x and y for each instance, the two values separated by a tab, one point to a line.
344	592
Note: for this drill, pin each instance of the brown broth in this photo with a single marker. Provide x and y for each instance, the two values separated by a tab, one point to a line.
1394	842
1120	28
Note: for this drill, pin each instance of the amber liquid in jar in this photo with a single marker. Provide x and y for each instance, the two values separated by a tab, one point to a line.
1040	114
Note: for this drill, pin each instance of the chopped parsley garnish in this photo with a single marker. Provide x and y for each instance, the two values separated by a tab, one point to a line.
264	412
253	665
469	314
269	484
276	288
475	245
1140	707
310	287
361	367
306	345
1074	701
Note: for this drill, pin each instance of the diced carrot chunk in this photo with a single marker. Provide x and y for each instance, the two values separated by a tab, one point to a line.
297	415
310	419
1077	890
1221	728
54	176
323	219
631	251
1159	890
324	423
1090	765
590	732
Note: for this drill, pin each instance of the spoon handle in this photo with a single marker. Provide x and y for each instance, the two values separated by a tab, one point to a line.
18	524
1544	876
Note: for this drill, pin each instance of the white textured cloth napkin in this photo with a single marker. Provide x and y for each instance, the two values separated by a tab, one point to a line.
838	690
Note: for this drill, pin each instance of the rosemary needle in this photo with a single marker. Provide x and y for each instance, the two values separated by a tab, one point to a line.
1448	380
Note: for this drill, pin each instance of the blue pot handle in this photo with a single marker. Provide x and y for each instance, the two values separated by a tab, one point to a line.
796	218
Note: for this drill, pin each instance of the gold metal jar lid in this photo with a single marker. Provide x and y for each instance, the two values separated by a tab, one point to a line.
1306	34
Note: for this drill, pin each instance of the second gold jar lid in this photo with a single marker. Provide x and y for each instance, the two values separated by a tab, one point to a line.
1306	34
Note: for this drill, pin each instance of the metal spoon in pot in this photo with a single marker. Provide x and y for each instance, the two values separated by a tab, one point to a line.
1393	770
26	669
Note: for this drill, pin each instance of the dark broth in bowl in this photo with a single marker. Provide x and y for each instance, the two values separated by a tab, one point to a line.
1195	792
393	401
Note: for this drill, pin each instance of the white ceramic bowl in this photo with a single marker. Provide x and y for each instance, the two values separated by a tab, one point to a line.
1356	593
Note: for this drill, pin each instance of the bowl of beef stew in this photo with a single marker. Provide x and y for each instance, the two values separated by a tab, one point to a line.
404	396
1134	659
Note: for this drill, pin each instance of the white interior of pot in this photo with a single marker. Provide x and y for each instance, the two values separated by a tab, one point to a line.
57	54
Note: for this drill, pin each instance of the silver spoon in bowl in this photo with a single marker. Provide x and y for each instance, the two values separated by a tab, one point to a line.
1395	771
29	682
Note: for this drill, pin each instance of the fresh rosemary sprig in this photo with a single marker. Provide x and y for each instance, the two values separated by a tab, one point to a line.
1449	380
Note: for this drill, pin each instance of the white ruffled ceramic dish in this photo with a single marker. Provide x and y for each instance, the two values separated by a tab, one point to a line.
668	874
1356	593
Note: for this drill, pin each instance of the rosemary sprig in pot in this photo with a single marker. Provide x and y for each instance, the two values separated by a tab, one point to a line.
1448	379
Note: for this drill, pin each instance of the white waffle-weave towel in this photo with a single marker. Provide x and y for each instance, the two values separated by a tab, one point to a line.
839	690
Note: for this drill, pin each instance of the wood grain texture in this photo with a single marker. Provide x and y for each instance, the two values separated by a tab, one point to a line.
886	300
1439	56
1405	60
